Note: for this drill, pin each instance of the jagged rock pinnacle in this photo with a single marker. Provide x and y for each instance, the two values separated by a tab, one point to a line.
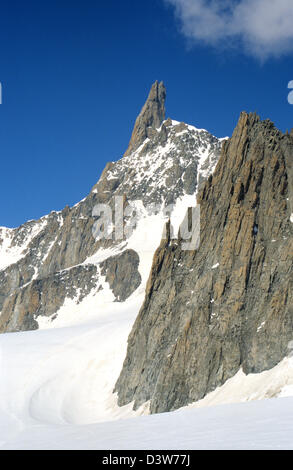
152	115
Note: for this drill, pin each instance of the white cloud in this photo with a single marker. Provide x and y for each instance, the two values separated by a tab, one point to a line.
263	28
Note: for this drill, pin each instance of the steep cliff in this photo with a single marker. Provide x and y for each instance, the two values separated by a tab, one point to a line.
151	117
228	305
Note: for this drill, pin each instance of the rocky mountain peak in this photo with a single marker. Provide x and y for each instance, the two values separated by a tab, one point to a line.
226	306
151	116
46	263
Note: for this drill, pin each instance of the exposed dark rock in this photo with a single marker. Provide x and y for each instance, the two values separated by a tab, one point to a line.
43	297
229	304
122	274
151	117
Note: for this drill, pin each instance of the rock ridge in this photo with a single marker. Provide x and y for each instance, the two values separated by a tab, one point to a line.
228	305
151	116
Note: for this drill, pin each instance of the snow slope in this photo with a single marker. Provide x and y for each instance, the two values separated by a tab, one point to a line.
66	375
55	383
256	425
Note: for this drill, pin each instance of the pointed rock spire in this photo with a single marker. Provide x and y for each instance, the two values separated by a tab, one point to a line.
152	115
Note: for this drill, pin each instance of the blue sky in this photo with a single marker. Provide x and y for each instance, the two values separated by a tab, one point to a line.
75	74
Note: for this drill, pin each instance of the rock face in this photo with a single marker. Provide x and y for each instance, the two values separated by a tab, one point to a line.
45	262
44	297
121	272
228	305
151	117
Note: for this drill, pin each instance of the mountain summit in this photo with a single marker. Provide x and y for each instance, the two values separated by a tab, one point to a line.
55	261
151	116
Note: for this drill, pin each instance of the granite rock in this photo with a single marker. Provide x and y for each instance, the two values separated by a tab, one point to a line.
228	305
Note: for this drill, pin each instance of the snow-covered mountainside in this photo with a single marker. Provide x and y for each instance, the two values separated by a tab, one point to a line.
49	263
86	298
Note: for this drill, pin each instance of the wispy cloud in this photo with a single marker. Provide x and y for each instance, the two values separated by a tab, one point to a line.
262	28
